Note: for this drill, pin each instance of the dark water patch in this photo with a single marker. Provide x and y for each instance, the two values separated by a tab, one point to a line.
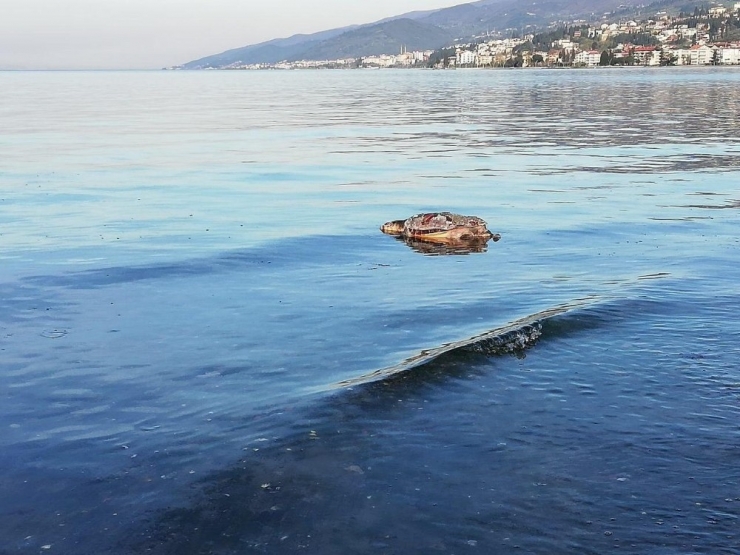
317	491
733	204
568	450
548	452
684	219
704	193
90	279
548	190
659	275
24	302
290	253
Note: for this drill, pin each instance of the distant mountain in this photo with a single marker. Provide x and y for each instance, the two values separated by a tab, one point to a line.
422	30
268	52
382	38
466	20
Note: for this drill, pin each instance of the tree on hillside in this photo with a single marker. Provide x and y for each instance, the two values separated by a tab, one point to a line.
439	57
733	34
517	61
667	58
638	39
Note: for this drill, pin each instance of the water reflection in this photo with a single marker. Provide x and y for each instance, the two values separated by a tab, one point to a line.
459	247
478	112
652	165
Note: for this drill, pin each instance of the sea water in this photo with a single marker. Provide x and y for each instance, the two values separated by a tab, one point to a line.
207	345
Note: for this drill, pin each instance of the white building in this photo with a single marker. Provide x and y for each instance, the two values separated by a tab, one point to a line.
590	58
565	44
465	57
383	60
701	55
729	55
646	56
420	56
485	59
682	55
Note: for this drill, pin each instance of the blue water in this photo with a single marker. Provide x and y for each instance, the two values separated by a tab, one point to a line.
207	346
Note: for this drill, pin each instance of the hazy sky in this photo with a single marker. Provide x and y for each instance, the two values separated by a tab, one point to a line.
94	34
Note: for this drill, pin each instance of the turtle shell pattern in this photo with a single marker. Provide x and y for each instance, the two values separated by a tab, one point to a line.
437	222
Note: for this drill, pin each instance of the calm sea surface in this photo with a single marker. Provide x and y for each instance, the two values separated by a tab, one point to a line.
207	346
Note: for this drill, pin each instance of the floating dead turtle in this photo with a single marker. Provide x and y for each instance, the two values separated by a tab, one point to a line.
441	227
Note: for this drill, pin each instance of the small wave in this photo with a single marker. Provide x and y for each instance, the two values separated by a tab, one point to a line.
512	338
511	342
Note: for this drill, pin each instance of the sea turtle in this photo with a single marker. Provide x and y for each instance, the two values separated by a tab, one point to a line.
440	227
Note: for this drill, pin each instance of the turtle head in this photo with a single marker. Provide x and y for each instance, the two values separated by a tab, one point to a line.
394	227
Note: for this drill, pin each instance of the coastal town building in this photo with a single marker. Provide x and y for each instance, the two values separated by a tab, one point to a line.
729	55
404	59
701	55
485	59
466	58
680	56
588	58
646	55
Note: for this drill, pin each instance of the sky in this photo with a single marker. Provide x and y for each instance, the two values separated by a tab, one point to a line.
151	34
